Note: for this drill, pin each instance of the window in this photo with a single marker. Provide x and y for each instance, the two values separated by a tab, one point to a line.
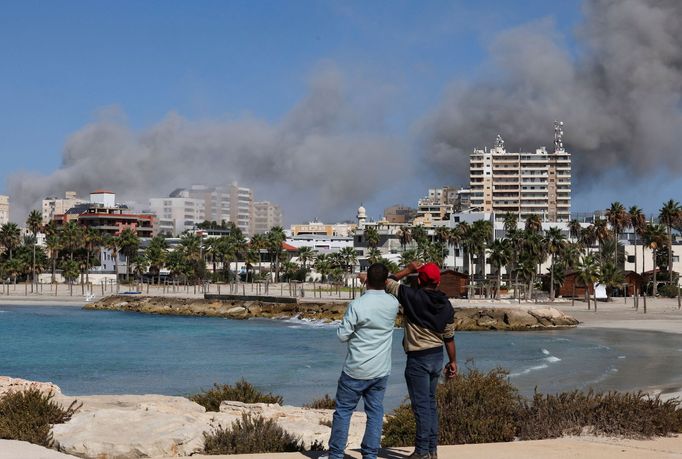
631	258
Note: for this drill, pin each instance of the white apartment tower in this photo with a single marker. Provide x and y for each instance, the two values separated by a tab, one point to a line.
522	183
4	209
178	212
265	216
229	204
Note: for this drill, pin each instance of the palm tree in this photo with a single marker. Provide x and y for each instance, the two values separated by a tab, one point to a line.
601	231
405	236
322	265
574	229
72	237
588	274
510	222
534	223
10	237
533	250
112	243
275	239
499	256
587	238
374	255
258	242
130	244
372	236
611	276
408	256
34	223
668	215
554	242
156	254
444	236
306	254
480	234
348	257
638	224
419	235
53	242
655	238
619	219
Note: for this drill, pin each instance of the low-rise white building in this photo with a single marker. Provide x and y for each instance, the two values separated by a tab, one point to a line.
53	205
178	212
4	209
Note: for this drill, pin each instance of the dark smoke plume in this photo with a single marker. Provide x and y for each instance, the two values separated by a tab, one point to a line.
318	160
619	93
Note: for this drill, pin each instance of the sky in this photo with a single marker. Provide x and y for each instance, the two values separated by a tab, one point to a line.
88	82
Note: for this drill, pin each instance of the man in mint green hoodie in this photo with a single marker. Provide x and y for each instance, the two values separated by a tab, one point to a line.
367	327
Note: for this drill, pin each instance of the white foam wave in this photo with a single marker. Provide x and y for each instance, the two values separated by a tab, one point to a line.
300	322
553	359
528	370
545	351
621	356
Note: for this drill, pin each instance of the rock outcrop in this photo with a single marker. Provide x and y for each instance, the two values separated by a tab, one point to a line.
8	384
468	318
134	426
512	318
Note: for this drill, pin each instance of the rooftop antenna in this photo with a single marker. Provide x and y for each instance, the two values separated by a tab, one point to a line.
558	135
499	142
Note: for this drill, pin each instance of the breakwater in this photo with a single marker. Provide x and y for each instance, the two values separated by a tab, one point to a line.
470	319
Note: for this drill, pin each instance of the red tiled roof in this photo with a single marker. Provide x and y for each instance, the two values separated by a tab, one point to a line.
289	247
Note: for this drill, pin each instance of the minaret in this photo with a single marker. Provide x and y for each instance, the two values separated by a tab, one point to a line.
362	217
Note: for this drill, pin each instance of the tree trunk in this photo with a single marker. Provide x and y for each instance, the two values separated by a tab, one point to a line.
670	254
595	300
654	289
551	280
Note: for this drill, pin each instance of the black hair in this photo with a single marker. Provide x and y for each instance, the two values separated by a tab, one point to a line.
376	276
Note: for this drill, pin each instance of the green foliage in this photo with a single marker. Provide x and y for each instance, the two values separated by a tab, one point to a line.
669	291
250	435
242	391
324	403
70	270
29	415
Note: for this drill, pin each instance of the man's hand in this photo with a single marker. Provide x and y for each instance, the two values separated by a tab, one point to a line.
450	370
362	277
415	265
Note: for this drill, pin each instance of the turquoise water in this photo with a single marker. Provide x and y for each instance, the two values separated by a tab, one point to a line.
97	352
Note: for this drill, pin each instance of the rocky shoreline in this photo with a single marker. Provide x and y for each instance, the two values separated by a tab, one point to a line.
510	318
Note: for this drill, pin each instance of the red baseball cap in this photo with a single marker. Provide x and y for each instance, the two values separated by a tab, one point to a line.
429	273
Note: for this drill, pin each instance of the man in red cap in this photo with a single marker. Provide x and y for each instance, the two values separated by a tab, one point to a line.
429	325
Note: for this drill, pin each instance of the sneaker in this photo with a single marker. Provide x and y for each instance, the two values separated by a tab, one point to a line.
417	455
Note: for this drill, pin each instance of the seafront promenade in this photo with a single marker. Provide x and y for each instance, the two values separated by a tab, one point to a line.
560	448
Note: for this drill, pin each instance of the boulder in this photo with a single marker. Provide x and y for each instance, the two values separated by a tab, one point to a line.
133	426
8	384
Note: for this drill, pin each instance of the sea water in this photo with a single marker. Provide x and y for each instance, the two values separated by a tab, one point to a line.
111	352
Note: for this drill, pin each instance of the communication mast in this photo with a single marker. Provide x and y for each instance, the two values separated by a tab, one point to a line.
558	135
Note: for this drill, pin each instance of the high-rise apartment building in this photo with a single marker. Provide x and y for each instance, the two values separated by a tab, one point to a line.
178	212
265	216
522	183
230	204
4	209
53	205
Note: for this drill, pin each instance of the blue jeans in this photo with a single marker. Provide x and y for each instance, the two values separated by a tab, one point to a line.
348	395
421	374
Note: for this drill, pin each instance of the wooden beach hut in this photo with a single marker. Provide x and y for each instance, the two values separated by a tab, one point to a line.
453	283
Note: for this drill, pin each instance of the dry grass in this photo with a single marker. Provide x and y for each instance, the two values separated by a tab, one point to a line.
250	435
324	403
242	391
485	407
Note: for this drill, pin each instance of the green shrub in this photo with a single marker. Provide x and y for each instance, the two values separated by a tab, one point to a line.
668	290
633	415
242	391
250	435
324	403
485	407
473	408
29	415
399	428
